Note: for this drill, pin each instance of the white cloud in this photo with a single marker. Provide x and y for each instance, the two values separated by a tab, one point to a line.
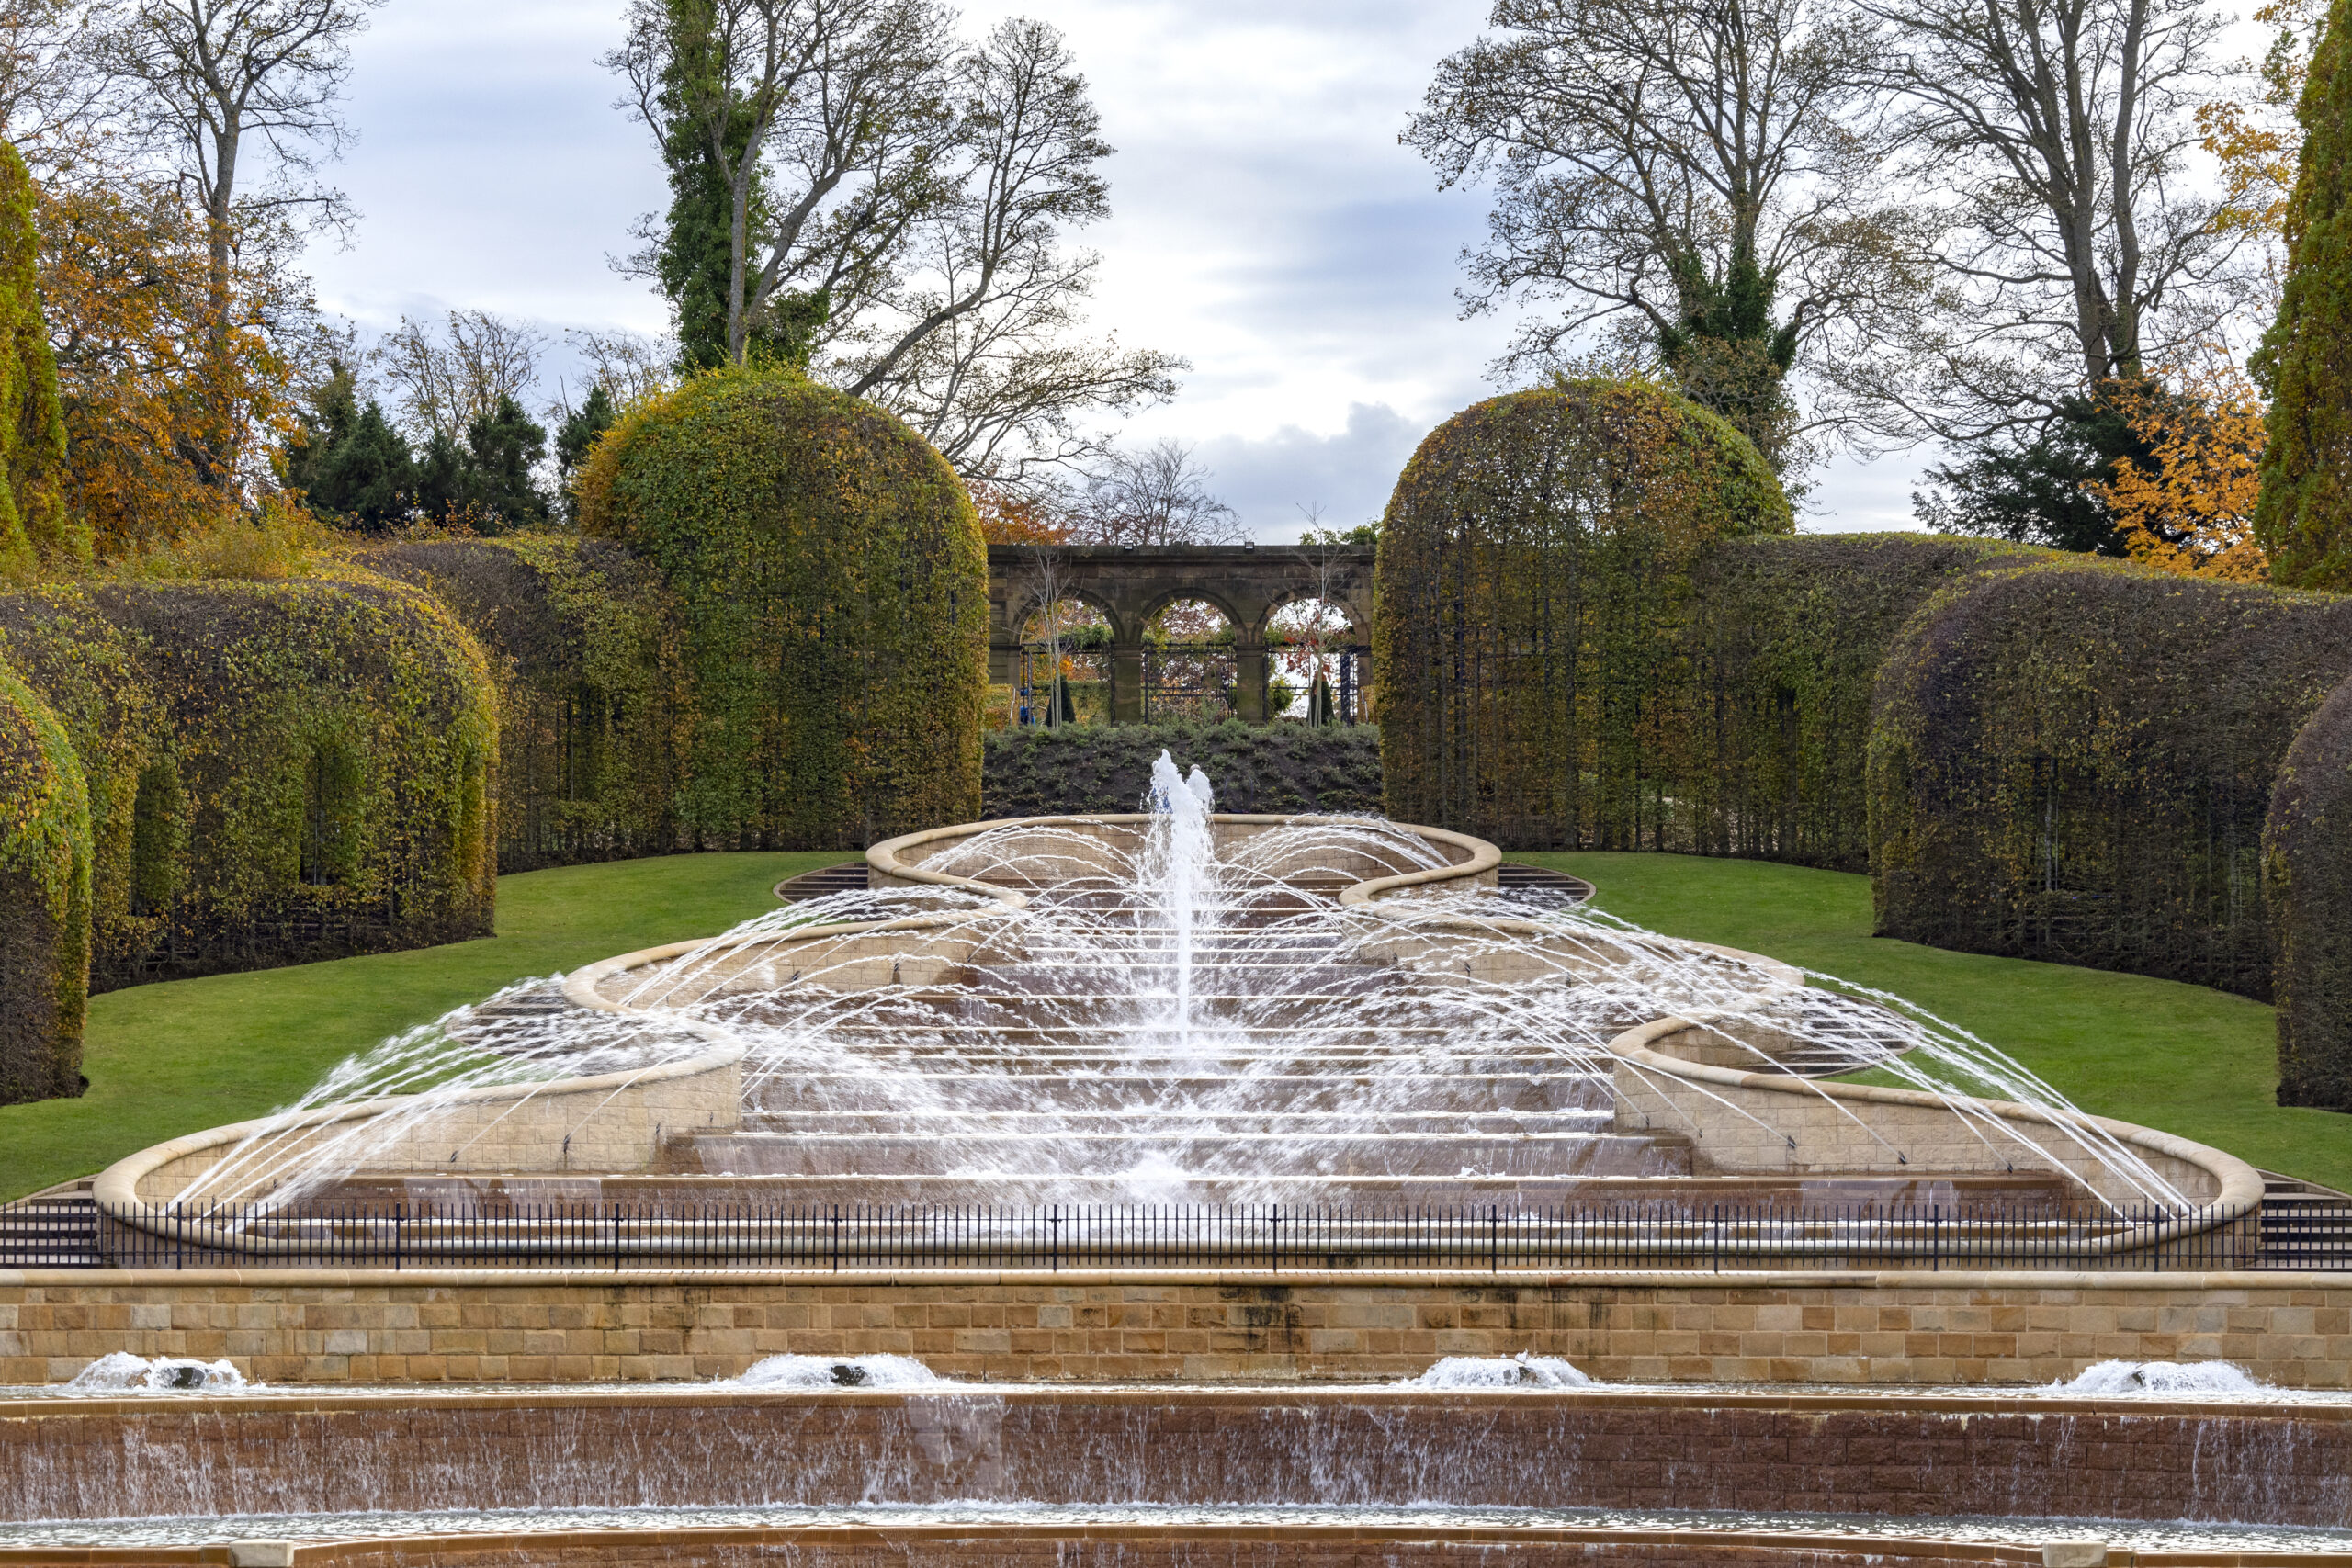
1267	225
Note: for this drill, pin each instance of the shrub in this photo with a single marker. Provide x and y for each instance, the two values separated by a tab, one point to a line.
32	422
1788	634
44	900
583	642
2307	858
277	771
2073	762
832	594
1272	768
1530	640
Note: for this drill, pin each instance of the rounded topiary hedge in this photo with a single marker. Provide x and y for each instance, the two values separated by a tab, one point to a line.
44	900
277	771
582	641
1533	586
833	592
2073	760
2307	857
1788	634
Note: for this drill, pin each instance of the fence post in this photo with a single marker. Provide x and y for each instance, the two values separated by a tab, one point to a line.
1274	1258
1494	1239
1935	1238
1053	1240
400	1213
836	1212
179	1239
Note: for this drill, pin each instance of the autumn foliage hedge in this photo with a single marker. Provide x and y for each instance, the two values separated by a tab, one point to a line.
1269	768
831	593
1533	603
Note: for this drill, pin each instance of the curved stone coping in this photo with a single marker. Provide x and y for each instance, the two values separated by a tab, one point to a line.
2237	1185
118	1191
583	986
1476	867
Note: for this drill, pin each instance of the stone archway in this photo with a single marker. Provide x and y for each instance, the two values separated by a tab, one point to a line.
1128	583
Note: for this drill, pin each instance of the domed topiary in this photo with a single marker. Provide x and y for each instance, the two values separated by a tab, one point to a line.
1533	587
833	590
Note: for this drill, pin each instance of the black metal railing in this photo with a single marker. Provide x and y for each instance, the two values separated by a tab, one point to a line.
1659	1234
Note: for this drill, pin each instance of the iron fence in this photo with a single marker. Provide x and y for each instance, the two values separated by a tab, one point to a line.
1272	1238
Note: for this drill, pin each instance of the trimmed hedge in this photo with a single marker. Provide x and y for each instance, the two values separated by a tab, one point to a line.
582	640
832	594
1531	635
2307	858
277	771
1789	634
44	900
1272	769
2073	760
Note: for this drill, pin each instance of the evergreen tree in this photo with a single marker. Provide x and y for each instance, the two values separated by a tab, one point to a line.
502	446
580	429
2303	519
32	427
2035	489
348	461
440	487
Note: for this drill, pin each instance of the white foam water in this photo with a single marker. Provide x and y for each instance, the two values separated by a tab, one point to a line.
119	1371
837	1371
2164	1379
1522	1371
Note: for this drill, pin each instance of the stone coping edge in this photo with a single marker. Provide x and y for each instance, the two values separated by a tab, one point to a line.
559	1545
1483	857
116	1189
1987	1399
2266	1280
2239	1182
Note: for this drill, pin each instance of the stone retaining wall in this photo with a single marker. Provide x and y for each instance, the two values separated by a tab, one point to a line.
325	1326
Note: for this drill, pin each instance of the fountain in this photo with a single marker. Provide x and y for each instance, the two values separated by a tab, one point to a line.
983	1208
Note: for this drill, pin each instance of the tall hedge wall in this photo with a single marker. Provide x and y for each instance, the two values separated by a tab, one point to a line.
1532	608
1254	767
44	900
582	639
2307	858
1788	634
2073	760
277	771
831	589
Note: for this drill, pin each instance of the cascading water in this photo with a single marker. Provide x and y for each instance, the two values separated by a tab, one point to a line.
1163	1020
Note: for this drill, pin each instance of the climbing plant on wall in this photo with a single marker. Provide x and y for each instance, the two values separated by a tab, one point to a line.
1533	604
831	588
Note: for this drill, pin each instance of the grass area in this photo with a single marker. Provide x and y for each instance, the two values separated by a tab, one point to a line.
2191	1061
173	1059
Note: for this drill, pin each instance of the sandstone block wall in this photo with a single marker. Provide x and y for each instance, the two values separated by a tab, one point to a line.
322	1325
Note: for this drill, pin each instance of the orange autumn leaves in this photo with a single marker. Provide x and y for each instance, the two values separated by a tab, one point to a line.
2190	509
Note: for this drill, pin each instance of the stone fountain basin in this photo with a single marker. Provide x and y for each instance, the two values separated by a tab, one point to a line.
1837	1452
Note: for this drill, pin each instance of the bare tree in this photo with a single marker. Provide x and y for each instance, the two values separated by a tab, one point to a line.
1690	175
57	99
2059	134
445	379
824	120
1157	496
978	355
630	366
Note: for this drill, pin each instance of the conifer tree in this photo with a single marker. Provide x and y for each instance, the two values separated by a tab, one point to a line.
32	425
2304	516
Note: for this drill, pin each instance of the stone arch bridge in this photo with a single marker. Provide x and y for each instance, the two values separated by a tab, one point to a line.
1131	583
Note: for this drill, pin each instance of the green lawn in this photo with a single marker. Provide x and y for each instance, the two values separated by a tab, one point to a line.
2164	1055
168	1059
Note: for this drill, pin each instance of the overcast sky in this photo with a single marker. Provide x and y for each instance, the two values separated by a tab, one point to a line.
1266	224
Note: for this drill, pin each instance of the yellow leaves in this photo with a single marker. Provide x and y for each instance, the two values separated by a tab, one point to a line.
2192	512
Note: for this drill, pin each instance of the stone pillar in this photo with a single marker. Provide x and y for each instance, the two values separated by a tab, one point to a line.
1250	681
1126	683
